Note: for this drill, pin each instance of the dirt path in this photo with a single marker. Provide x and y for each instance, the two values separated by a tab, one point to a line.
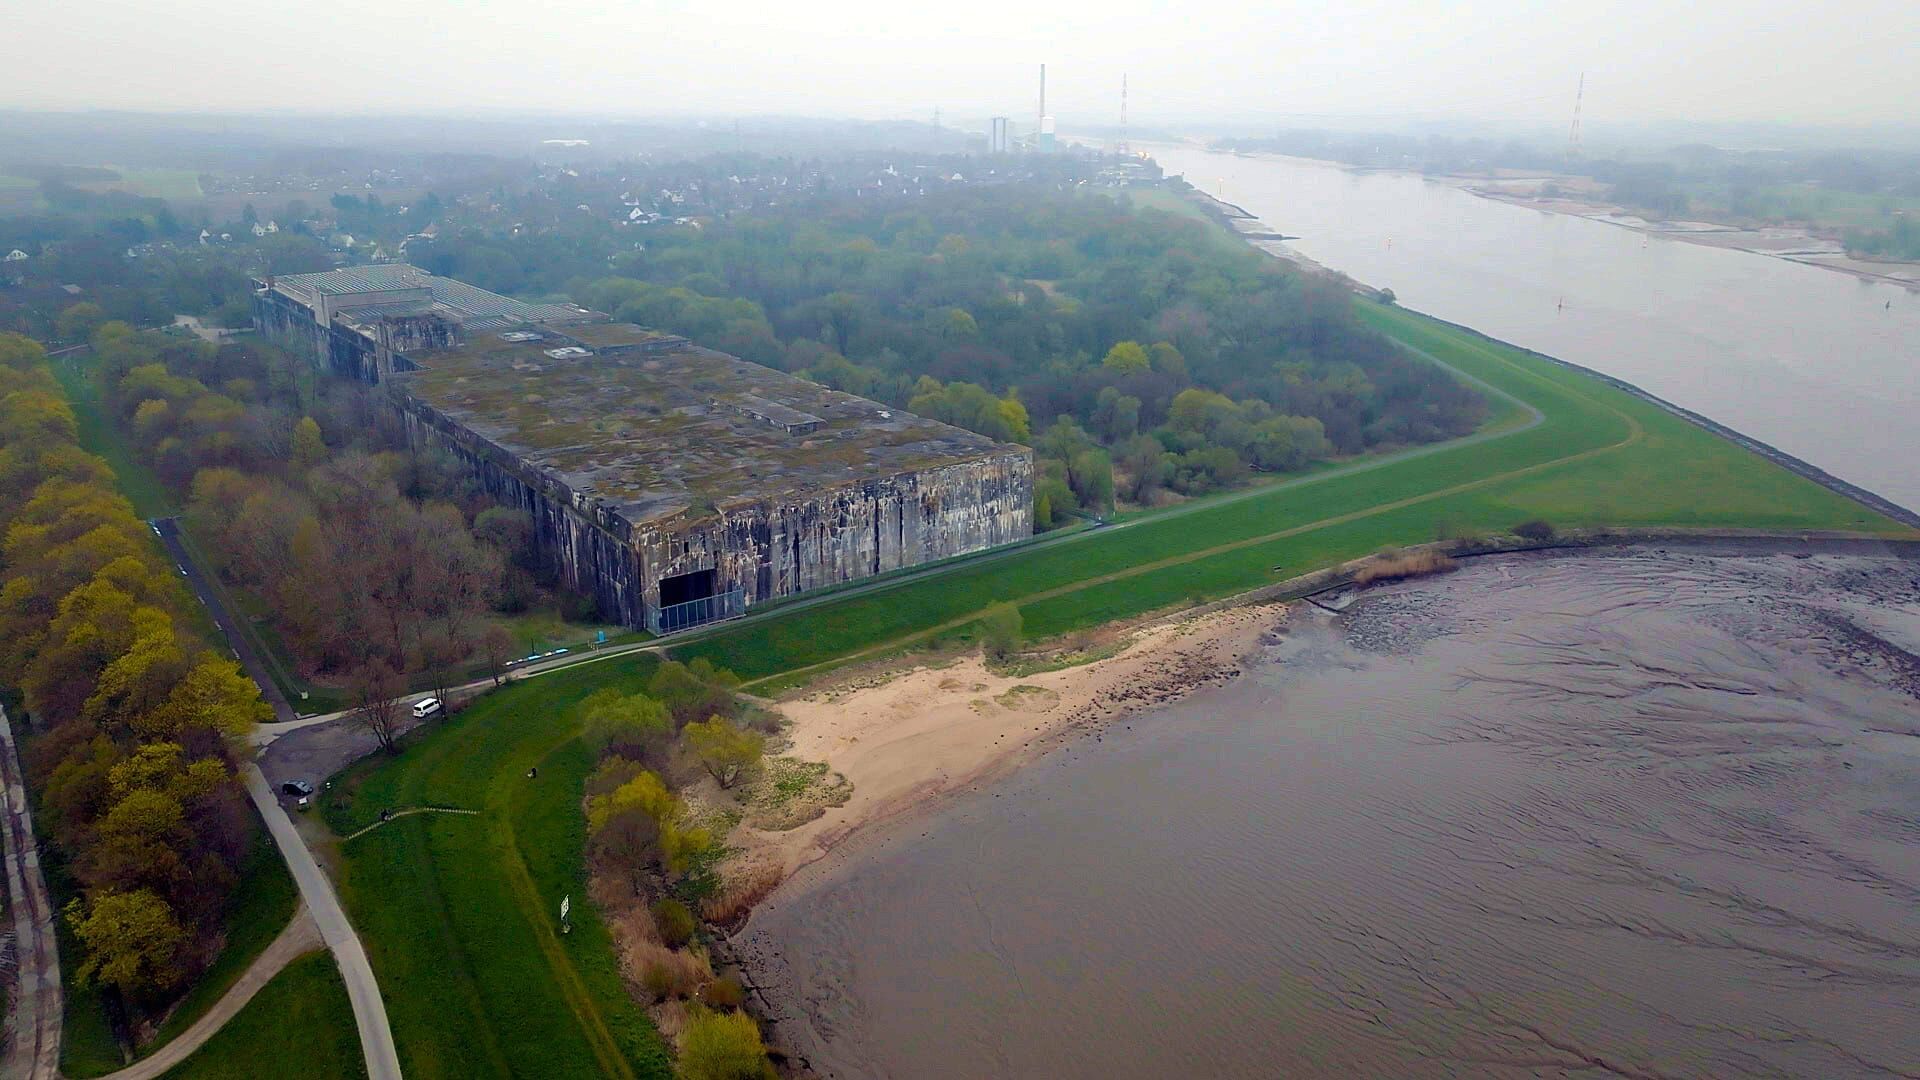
404	813
35	1002
301	937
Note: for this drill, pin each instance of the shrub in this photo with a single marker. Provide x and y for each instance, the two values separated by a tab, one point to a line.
1398	565
659	981
1000	630
725	993
722	1046
674	922
1536	530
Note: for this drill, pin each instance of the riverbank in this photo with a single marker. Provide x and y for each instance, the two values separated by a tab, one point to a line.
907	737
1456	826
1239	221
1580	196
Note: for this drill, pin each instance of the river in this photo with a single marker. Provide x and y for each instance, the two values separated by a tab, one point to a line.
1810	361
1640	813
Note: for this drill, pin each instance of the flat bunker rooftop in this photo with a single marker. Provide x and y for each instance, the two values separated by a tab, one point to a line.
676	427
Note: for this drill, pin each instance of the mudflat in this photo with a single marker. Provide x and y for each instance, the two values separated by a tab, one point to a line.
1650	813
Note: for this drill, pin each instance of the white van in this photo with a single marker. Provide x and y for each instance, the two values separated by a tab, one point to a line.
426	707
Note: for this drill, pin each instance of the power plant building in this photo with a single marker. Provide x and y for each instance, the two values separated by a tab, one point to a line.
676	484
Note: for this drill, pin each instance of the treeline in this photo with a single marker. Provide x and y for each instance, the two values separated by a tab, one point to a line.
1902	241
651	858
1016	310
139	724
374	560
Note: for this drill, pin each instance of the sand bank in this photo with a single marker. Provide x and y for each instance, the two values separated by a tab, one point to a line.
906	737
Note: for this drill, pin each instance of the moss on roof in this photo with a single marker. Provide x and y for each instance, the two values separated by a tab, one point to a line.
655	434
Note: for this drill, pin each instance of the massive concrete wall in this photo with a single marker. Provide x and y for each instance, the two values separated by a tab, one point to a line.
777	547
767	548
292	327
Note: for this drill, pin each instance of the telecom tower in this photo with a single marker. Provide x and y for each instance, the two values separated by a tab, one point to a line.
1125	150
1573	134
1043	135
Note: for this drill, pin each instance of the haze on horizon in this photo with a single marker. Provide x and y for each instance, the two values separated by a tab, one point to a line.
1506	62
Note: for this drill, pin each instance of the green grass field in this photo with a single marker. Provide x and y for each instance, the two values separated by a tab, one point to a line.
460	913
299	1025
1601	457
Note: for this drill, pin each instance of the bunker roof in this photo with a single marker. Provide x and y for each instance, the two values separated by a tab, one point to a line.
655	433
380	284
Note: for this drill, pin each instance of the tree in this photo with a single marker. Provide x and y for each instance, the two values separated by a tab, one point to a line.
722	1046
77	323
308	448
377	690
132	942
630	842
725	751
647	794
441	649
1127	358
1000	630
633	726
496	647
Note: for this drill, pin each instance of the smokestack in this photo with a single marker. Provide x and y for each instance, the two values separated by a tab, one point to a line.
1043	101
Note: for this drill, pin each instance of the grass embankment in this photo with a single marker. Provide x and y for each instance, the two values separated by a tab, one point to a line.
300	1024
460	913
1600	457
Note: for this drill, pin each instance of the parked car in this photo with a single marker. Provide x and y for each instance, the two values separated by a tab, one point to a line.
426	707
299	789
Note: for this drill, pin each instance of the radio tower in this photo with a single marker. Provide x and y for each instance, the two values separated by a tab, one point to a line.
1573	134
1039	118
1125	150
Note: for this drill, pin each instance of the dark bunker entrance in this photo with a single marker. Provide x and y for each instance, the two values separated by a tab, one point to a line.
686	588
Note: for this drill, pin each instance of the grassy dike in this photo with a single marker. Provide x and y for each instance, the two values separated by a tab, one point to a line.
459	912
1599	457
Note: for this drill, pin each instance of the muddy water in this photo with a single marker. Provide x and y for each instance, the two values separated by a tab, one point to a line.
1643	814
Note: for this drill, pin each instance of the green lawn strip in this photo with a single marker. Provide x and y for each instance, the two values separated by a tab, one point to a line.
459	912
299	1024
1600	457
99	435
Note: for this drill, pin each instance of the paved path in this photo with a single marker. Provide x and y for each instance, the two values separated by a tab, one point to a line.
168	529
369	1012
299	938
35	1001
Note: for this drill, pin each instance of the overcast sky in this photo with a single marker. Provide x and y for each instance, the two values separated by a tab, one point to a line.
1794	61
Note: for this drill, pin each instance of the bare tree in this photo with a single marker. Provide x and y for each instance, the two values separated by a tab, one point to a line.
441	649
497	645
377	692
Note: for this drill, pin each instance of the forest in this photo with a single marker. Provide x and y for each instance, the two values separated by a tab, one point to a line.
371	561
1141	359
137	725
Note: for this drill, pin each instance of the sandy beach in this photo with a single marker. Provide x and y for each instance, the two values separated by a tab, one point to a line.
905	737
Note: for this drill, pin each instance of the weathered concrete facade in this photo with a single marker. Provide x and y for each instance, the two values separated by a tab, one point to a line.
766	549
658	475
